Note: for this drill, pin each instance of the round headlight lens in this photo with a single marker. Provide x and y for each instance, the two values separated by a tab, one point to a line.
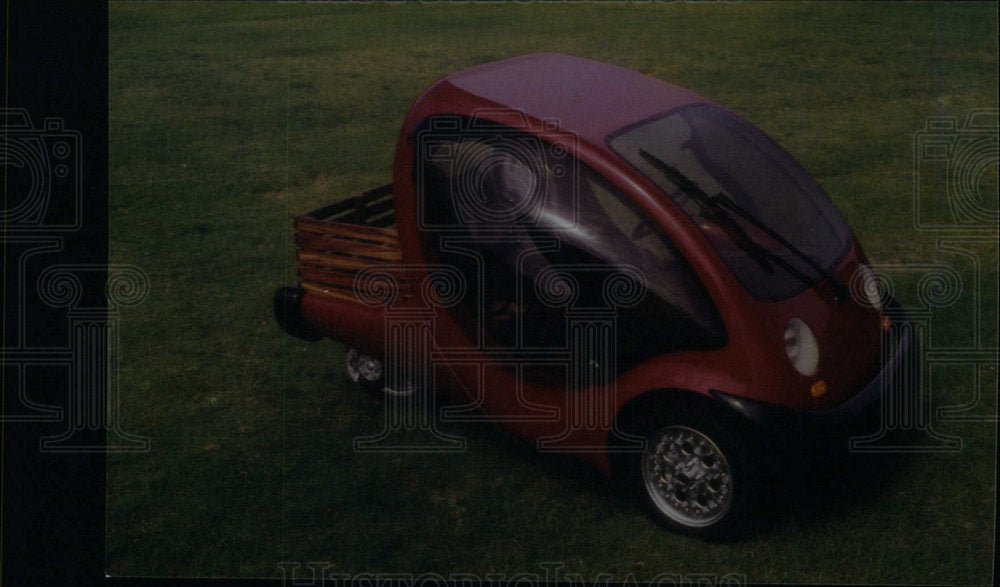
801	347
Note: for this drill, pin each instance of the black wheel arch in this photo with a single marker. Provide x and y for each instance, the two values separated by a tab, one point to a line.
639	413
647	413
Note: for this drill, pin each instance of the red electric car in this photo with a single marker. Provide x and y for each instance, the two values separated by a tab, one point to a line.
606	265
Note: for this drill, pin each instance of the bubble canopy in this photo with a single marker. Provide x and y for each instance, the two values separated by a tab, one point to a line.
709	151
615	113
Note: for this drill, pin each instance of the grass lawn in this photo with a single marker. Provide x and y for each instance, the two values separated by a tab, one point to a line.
228	118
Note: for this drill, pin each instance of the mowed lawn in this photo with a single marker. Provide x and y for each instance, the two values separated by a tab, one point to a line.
228	118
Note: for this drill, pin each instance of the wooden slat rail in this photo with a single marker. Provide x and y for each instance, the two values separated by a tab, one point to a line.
336	241
371	234
354	210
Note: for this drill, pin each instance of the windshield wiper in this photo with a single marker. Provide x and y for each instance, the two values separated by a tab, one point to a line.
759	254
720	202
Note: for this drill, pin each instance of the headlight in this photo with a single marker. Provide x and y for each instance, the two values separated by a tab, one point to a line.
800	344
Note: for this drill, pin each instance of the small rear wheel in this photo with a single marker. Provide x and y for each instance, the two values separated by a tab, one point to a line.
369	372
365	370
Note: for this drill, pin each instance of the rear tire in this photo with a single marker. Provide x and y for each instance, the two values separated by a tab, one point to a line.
365	370
369	373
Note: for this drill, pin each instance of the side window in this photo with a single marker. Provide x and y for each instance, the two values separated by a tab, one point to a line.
646	240
508	208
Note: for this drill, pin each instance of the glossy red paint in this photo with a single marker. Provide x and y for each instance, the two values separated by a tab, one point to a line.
542	92
348	321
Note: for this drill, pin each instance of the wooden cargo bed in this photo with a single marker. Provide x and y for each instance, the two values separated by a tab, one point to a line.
335	242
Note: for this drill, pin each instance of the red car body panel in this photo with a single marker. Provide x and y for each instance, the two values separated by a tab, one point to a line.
590	100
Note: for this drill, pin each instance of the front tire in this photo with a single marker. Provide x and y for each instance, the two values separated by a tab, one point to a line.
695	475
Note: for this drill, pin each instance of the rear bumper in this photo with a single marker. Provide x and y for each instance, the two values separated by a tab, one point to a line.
288	313
897	381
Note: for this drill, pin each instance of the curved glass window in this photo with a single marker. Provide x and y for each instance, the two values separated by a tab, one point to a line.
516	212
710	163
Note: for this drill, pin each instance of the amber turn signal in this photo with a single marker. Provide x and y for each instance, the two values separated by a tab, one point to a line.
818	389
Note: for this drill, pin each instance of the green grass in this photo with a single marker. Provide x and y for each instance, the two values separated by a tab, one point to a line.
228	118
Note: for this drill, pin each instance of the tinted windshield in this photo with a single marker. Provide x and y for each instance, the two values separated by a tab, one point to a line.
724	155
